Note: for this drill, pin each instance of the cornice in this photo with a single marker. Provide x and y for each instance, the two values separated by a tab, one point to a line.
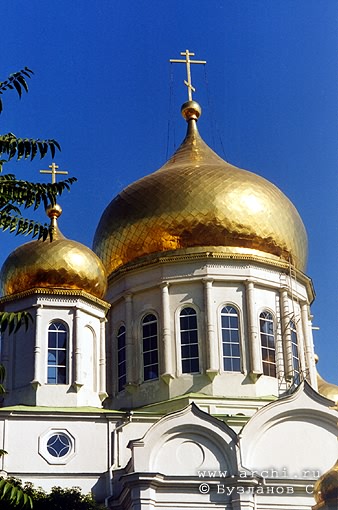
54	292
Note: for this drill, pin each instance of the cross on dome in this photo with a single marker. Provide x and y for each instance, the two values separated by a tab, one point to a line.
187	61
54	172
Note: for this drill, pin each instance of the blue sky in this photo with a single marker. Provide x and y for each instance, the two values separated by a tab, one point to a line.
103	87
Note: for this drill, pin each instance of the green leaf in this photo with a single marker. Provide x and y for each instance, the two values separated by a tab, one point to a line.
21	149
16	81
23	82
2	373
11	145
18	87
7	487
13	321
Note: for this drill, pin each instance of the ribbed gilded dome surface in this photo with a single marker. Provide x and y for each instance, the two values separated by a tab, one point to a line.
197	200
328	390
60	263
326	487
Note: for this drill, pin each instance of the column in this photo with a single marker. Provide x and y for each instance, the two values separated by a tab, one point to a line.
254	340
39	364
167	356
130	357
102	360
77	351
212	351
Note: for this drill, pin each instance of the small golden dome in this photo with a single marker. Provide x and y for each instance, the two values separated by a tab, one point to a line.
198	200
326	487
325	388
60	263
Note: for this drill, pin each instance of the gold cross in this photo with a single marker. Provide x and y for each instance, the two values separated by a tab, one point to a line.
187	61
53	172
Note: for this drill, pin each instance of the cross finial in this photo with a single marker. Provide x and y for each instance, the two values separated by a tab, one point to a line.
53	172
187	61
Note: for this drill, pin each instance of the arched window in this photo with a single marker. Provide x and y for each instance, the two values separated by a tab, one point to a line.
230	339
150	347
57	353
189	341
121	358
266	327
295	353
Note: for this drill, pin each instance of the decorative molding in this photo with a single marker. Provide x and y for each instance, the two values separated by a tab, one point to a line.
35	384
167	378
266	263
103	395
131	387
77	386
182	255
254	376
211	374
55	291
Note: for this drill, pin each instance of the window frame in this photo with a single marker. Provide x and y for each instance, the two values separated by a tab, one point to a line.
266	363
240	336
43	446
179	340
66	350
296	372
121	387
143	352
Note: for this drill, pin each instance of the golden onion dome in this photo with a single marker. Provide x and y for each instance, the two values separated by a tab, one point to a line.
198	200
325	388
57	263
326	487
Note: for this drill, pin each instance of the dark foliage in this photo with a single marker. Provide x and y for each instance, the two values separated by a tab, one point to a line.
57	499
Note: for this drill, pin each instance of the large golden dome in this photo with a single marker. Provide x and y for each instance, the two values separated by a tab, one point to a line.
60	263
198	200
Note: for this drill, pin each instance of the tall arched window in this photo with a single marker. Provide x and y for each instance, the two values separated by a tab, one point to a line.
189	341
295	353
230	339
150	347
121	358
266	327
57	353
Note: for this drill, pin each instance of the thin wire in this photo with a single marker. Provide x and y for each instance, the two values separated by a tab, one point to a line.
211	119
212	115
170	115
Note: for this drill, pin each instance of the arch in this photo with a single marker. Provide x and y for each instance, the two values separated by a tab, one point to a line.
58	352
121	357
189	340
231	338
184	442
268	343
307	418
150	356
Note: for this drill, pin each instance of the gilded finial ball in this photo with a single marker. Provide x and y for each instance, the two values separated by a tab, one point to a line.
53	211
191	110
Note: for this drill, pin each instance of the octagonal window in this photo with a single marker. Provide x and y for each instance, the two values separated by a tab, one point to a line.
57	446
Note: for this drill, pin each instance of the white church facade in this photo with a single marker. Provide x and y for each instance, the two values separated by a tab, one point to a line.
173	365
